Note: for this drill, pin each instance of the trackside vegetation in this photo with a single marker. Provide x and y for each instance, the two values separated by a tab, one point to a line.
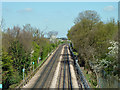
20	47
96	43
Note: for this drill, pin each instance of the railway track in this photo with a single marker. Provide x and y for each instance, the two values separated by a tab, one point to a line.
65	80
56	73
47	74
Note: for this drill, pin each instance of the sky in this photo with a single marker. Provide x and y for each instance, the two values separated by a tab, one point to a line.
53	16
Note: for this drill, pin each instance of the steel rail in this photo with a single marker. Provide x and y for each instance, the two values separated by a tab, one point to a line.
55	58
45	69
60	76
64	69
68	76
69	71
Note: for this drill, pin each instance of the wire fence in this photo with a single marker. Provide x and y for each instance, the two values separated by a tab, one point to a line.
82	78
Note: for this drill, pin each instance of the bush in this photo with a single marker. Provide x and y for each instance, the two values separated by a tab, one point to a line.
92	42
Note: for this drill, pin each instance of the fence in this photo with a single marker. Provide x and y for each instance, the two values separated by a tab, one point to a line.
82	78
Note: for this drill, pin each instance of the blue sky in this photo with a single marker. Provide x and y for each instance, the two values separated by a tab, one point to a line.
56	16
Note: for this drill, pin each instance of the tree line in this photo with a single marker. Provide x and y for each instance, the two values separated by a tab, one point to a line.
20	47
96	42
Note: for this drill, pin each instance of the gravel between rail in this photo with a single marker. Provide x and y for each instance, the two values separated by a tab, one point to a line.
57	72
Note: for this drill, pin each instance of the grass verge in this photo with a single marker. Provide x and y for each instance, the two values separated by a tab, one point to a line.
90	77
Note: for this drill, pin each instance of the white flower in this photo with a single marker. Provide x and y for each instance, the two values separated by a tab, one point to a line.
109	47
113	49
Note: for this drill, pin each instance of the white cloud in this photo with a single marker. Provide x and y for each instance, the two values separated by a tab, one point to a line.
109	8
25	10
28	9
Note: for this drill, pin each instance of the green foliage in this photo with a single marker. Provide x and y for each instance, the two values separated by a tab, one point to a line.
9	75
90	77
75	53
14	78
18	55
92	42
36	52
47	49
20	48
6	62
